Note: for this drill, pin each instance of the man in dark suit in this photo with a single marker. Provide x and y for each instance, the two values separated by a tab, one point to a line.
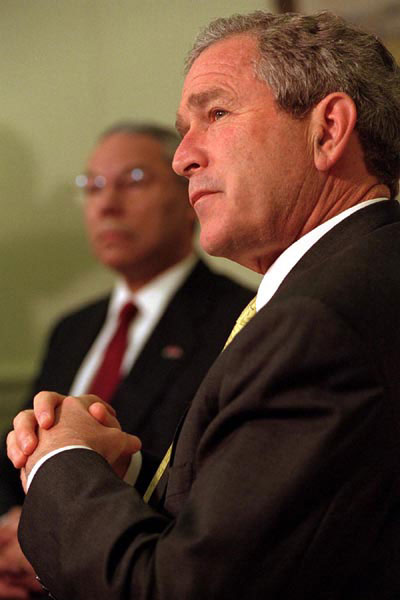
284	478
140	225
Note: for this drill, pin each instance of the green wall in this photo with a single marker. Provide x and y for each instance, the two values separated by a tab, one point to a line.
69	69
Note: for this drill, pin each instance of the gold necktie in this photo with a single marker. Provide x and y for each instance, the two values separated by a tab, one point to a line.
247	313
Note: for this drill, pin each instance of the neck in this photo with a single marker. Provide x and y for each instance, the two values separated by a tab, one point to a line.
137	278
336	199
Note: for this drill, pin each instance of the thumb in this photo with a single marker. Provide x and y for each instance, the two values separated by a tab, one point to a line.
132	444
44	405
103	415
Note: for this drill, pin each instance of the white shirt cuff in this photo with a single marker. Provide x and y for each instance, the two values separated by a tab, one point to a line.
130	476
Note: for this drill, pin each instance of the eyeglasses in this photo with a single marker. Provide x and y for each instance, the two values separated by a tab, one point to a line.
129	179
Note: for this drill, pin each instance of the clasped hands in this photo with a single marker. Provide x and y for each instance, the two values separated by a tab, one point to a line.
17	578
57	421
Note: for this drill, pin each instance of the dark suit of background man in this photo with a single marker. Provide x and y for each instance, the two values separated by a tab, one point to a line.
284	481
140	225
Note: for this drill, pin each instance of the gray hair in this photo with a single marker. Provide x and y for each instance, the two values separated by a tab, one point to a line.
305	58
167	137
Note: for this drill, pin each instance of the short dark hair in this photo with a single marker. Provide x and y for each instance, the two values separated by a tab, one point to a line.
167	136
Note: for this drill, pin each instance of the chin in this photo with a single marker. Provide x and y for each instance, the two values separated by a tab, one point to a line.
113	261
215	245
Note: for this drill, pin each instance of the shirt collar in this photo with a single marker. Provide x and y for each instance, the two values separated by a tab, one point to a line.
155	294
291	256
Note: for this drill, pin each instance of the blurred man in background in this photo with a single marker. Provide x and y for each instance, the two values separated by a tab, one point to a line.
177	312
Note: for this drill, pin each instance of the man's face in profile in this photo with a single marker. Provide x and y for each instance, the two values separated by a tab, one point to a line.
246	159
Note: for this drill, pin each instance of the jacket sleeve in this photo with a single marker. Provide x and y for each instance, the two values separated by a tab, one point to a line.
287	452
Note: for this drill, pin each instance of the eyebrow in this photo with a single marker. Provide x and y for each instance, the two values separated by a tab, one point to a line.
200	100
138	165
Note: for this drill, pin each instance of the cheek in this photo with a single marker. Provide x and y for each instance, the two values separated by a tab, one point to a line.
145	221
91	211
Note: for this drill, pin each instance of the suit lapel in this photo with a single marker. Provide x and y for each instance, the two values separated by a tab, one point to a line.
345	234
172	343
92	322
66	357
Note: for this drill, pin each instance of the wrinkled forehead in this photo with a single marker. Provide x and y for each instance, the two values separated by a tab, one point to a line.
224	71
226	58
121	150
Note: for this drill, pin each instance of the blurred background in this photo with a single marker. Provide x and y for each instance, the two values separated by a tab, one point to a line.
69	69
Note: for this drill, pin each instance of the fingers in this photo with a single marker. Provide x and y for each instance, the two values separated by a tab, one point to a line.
11	591
9	525
11	518
91	400
25	428
44	405
22	442
17	577
101	412
12	560
128	463
14	514
14	451
132	444
32	583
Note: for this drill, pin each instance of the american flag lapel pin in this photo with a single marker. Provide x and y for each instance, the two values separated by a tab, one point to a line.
172	351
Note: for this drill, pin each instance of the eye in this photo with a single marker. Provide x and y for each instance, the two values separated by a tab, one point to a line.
217	113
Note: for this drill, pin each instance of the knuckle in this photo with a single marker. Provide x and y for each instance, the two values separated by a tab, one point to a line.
70	400
39	396
20	417
92	399
10	437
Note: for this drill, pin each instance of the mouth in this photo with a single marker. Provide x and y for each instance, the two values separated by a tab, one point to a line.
112	235
199	195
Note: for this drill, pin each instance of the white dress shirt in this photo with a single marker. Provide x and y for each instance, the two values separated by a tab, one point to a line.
269	284
151	302
291	256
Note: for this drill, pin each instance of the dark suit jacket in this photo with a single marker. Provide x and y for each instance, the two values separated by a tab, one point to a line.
152	398
285	482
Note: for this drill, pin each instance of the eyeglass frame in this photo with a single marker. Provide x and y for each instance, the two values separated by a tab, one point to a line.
138	176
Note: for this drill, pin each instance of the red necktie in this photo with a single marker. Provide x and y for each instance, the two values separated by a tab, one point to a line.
108	374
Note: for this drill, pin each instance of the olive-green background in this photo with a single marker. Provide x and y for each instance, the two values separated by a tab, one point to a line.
70	68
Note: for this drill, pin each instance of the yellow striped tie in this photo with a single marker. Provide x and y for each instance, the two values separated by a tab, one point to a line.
247	313
244	317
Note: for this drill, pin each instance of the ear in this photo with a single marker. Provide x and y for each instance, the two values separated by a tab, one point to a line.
332	121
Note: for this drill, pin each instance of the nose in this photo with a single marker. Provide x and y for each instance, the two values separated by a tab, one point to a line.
190	156
107	200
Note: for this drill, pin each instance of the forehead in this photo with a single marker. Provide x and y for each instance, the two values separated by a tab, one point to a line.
229	62
119	150
225	72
